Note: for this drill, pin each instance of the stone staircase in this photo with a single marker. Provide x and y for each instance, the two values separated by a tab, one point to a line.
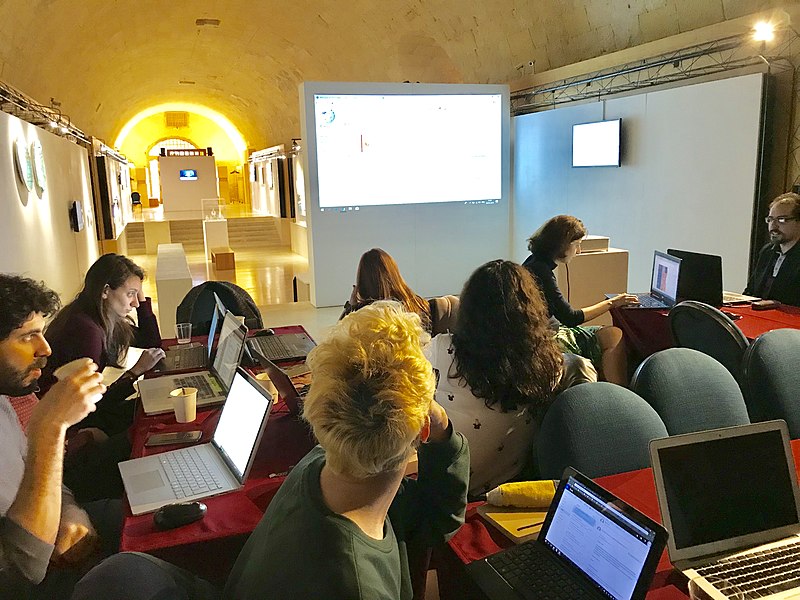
243	233
254	232
134	236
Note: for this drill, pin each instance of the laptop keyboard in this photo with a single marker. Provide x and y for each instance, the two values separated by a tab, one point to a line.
650	302
272	347
188	474
187	358
532	571
756	574
200	382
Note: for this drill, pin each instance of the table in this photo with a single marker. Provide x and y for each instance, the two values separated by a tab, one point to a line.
477	539
647	330
230	517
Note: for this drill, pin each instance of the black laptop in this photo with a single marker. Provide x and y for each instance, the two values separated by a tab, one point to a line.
701	279
592	545
663	283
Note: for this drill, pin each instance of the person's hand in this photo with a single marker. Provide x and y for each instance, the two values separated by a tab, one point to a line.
70	399
76	539
147	361
140	296
439	422
623	300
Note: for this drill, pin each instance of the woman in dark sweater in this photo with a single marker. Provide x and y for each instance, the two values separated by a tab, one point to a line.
96	325
559	241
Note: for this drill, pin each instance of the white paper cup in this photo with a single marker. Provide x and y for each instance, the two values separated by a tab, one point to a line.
71	367
184	400
183	331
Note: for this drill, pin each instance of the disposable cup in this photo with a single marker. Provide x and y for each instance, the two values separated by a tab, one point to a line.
183	331
184	400
71	367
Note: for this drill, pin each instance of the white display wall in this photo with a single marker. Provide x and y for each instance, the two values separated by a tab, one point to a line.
687	180
36	239
182	199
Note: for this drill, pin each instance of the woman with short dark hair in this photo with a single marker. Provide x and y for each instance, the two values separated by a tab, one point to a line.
559	241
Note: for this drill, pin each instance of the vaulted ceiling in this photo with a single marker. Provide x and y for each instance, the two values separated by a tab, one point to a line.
106	60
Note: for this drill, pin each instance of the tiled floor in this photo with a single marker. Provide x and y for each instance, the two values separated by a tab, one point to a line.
267	276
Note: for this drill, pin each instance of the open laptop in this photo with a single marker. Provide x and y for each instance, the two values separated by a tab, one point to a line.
663	283
729	499
280	379
592	544
198	472
282	346
193	356
211	385
701	279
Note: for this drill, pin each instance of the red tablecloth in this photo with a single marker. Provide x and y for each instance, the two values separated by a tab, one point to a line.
230	516
478	539
647	330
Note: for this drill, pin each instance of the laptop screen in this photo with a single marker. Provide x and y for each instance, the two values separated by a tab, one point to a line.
664	282
212	332
237	433
229	349
725	488
599	539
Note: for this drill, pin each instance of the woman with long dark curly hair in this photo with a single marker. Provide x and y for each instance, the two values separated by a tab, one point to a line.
559	241
378	278
500	369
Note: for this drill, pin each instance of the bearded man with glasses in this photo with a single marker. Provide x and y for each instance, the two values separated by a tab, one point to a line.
776	275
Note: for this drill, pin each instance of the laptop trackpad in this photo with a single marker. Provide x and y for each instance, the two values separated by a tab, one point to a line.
144	482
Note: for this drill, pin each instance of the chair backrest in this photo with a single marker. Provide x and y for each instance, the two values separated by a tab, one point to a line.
771	378
690	391
598	428
136	198
444	312
198	305
704	328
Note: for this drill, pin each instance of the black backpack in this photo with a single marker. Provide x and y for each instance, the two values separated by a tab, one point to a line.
198	305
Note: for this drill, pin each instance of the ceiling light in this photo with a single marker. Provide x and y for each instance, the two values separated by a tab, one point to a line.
763	31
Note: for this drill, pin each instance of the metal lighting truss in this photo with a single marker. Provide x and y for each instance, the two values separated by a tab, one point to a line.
709	58
14	102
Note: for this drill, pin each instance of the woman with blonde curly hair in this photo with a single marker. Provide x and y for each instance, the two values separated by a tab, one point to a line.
500	369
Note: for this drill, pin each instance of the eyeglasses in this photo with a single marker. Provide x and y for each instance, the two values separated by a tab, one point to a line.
781	220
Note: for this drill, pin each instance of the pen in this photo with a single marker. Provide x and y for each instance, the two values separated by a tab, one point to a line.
525	526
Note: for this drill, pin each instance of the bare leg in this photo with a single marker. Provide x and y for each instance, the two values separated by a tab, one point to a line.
614	359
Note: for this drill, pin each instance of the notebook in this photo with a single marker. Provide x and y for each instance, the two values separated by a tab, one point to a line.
211	385
729	499
191	356
283	346
663	283
592	545
210	469
701	279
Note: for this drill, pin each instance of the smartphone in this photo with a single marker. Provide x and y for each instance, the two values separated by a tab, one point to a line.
175	437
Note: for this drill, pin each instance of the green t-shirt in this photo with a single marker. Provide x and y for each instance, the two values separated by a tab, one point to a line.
301	549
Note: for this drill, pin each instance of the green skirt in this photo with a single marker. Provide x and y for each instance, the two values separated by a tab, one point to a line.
581	341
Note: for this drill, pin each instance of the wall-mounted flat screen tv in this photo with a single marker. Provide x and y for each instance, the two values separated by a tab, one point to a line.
390	144
596	144
188	174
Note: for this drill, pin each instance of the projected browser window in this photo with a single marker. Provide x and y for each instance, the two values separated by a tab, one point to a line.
408	149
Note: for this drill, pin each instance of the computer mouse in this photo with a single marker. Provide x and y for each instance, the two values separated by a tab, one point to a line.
261	332
177	515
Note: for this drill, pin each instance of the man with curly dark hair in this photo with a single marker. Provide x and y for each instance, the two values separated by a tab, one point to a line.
40	523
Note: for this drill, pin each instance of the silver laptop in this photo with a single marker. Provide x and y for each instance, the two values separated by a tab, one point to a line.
211	385
729	499
663	283
209	469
